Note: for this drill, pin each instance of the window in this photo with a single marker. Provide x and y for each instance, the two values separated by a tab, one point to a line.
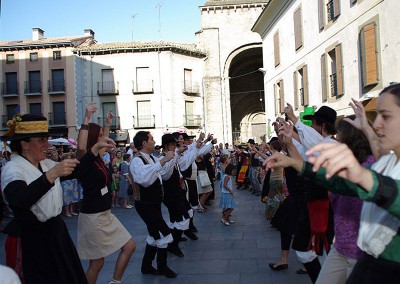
34	83
57	55
276	49
11	83
189	116
35	108
57	81
279	97
107	82
328	11
300	87
298	29
10	59
11	111
33	57
332	74
110	106
144	118
187	75
369	54
59	113
144	84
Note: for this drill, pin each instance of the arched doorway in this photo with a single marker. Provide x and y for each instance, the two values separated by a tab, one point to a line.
246	90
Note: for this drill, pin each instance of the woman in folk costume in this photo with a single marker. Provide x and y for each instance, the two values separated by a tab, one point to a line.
32	189
336	167
99	232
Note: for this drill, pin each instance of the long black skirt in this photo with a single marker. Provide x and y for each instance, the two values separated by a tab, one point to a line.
49	255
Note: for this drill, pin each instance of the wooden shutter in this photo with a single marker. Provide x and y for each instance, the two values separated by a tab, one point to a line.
276	49
275	100
295	91
339	69
321	14
281	97
323	78
298	33
336	8
305	85
369	62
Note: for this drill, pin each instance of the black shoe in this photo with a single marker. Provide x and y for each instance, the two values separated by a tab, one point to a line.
191	235
183	239
150	270
175	250
278	267
167	272
301	271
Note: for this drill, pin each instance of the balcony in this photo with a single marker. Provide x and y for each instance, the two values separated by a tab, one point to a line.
9	89
144	121
107	88
57	119
4	119
56	87
115	124
143	87
333	84
301	93
330	10
190	88
192	121
33	88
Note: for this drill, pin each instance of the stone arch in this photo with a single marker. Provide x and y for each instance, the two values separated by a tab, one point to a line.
244	89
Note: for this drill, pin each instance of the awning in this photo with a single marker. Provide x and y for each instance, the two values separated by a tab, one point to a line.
120	137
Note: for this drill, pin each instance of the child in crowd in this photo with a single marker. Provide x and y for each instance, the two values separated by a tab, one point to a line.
116	177
227	201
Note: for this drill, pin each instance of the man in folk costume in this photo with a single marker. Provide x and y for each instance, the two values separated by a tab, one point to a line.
318	227
175	200
149	194
195	149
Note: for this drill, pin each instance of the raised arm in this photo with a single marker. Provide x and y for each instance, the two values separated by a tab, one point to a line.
84	130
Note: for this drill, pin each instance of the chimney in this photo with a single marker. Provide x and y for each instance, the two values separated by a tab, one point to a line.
89	32
37	34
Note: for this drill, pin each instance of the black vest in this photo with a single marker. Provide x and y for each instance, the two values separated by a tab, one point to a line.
154	193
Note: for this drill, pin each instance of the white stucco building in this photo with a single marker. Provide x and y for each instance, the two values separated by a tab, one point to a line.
151	86
326	52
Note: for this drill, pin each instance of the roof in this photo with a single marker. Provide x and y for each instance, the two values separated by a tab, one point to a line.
136	46
233	2
45	42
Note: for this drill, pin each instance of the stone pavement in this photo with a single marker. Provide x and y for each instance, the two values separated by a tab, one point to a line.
234	254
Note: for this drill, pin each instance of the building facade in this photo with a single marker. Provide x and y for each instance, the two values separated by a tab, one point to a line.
151	86
38	76
326	52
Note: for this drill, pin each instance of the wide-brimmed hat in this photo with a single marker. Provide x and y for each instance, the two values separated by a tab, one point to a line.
251	141
185	136
26	126
325	114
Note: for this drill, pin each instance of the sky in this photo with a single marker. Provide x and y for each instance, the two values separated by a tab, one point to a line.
112	21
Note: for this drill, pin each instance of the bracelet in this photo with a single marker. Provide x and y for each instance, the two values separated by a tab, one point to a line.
84	126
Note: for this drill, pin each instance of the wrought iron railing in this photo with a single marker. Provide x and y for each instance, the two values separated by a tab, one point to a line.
57	118
107	88
192	120
115	124
330	10
56	86
33	87
9	89
334	85
190	88
143	87
144	121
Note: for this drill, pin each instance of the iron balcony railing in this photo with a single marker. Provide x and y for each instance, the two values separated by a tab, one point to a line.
143	87
191	88
107	88
301	93
56	86
115	124
57	118
144	121
334	86
9	89
192	120
33	87
330	10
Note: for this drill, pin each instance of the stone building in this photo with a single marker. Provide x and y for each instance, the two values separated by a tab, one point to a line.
233	70
38	75
326	52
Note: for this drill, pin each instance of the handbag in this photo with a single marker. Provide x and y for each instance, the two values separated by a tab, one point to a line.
203	178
